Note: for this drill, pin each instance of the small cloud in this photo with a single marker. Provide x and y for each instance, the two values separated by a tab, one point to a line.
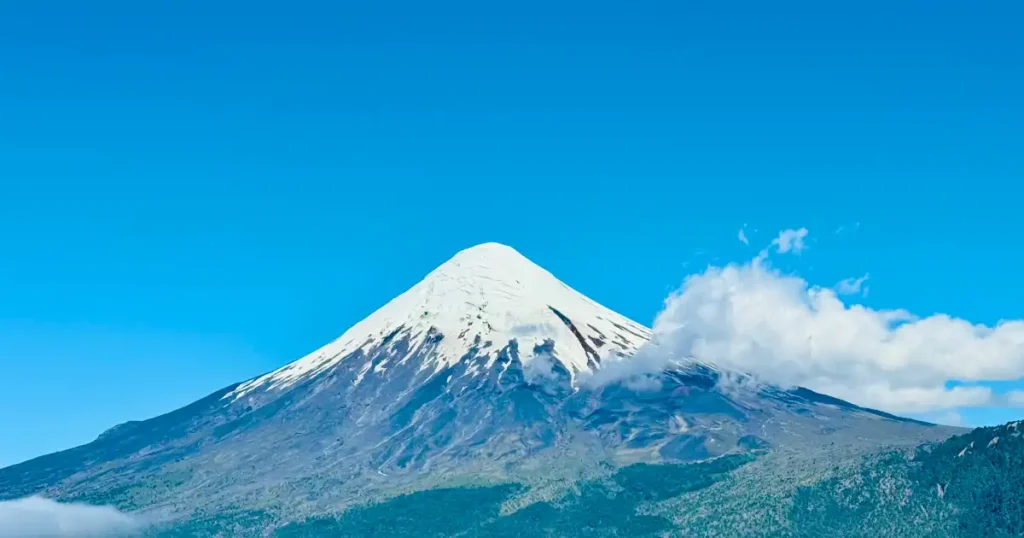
847	228
852	286
787	241
947	418
37	517
790	240
643	383
1014	398
541	367
742	236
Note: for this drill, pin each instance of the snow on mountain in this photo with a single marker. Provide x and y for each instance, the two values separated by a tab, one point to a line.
491	294
439	386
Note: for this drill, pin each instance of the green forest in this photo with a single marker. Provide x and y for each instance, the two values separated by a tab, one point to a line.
969	486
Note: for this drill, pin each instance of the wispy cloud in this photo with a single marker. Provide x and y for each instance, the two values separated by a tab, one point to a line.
37	517
742	236
790	240
852	228
852	286
1014	398
948	418
754	319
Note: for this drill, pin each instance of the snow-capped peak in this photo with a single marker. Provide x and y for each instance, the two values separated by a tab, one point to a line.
489	291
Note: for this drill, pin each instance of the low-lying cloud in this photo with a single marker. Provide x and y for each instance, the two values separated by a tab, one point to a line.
37	517
779	328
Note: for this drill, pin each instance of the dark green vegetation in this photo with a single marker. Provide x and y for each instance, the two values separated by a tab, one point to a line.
227	525
614	506
969	486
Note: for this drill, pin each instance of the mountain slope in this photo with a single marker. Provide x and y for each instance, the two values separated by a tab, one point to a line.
473	376
967	486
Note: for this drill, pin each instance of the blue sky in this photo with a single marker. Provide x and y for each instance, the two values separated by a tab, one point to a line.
191	194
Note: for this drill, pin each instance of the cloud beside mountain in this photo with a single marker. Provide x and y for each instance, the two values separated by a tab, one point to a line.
778	327
38	517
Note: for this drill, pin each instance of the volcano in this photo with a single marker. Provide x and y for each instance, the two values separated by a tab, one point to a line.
483	372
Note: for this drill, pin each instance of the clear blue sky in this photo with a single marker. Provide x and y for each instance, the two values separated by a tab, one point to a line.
192	194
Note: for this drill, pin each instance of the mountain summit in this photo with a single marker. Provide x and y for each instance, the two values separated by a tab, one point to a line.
483	298
471	376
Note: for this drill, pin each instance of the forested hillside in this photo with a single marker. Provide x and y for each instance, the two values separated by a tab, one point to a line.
968	486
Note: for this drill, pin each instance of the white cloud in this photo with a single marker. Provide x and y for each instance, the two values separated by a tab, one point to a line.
643	383
852	286
742	236
790	240
948	418
1014	398
752	318
36	517
539	368
888	396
